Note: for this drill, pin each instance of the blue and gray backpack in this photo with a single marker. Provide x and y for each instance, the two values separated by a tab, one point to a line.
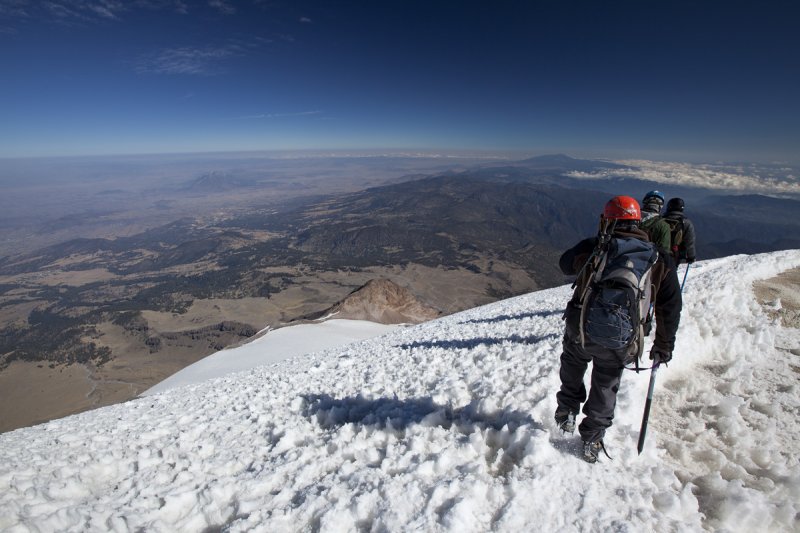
616	301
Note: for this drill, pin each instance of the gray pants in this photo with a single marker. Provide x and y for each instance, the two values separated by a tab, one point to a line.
599	407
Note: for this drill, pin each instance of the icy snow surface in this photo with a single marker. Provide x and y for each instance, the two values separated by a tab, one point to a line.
273	347
446	426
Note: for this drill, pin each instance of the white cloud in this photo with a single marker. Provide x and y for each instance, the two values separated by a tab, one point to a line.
106	9
306	20
278	115
718	176
197	60
14	8
85	10
188	60
285	37
179	6
63	12
223	6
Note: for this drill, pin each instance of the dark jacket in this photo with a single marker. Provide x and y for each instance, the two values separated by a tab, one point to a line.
667	291
686	250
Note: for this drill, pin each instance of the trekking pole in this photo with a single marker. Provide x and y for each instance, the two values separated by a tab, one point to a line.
684	276
646	416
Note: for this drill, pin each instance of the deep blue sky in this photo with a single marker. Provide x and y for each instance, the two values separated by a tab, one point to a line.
670	80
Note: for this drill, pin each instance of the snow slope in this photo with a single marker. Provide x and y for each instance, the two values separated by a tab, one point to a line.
446	426
273	347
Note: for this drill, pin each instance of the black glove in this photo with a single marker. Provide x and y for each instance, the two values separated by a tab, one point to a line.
690	260
660	356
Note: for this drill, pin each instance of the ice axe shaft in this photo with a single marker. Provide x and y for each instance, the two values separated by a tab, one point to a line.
684	276
646	416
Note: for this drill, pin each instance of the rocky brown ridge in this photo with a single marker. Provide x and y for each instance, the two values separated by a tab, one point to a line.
784	290
379	300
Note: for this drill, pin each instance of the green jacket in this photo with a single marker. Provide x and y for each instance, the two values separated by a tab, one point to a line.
656	229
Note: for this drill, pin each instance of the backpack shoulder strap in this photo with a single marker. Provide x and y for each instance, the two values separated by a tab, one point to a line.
674	223
591	272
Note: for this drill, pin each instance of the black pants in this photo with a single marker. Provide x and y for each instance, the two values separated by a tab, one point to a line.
599	407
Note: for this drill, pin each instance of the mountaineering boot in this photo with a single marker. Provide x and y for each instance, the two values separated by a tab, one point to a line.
565	420
591	450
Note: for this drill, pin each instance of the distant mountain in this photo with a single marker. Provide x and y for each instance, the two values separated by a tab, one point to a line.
219	181
520	216
453	221
752	207
750	224
565	163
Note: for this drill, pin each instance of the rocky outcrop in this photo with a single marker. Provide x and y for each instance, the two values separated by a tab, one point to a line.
379	300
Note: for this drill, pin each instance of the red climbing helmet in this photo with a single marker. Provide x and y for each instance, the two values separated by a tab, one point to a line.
622	208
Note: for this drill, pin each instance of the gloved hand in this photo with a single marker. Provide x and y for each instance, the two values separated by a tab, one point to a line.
690	260
660	356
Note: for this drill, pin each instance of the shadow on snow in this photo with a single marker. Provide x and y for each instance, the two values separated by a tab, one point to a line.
456	344
506	433
397	414
521	316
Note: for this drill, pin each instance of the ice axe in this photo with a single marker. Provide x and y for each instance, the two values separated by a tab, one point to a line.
646	416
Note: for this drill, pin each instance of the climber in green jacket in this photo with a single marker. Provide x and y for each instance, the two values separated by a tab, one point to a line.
652	223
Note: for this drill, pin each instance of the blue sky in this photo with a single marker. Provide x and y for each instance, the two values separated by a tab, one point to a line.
674	80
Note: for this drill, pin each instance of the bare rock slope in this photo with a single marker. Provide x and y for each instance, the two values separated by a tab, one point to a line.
380	300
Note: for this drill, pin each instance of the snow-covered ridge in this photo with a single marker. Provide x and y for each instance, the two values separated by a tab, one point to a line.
446	426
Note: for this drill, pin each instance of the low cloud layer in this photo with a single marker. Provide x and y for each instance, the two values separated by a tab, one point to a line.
749	178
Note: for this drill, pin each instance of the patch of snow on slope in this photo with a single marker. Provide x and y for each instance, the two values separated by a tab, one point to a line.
446	426
274	346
